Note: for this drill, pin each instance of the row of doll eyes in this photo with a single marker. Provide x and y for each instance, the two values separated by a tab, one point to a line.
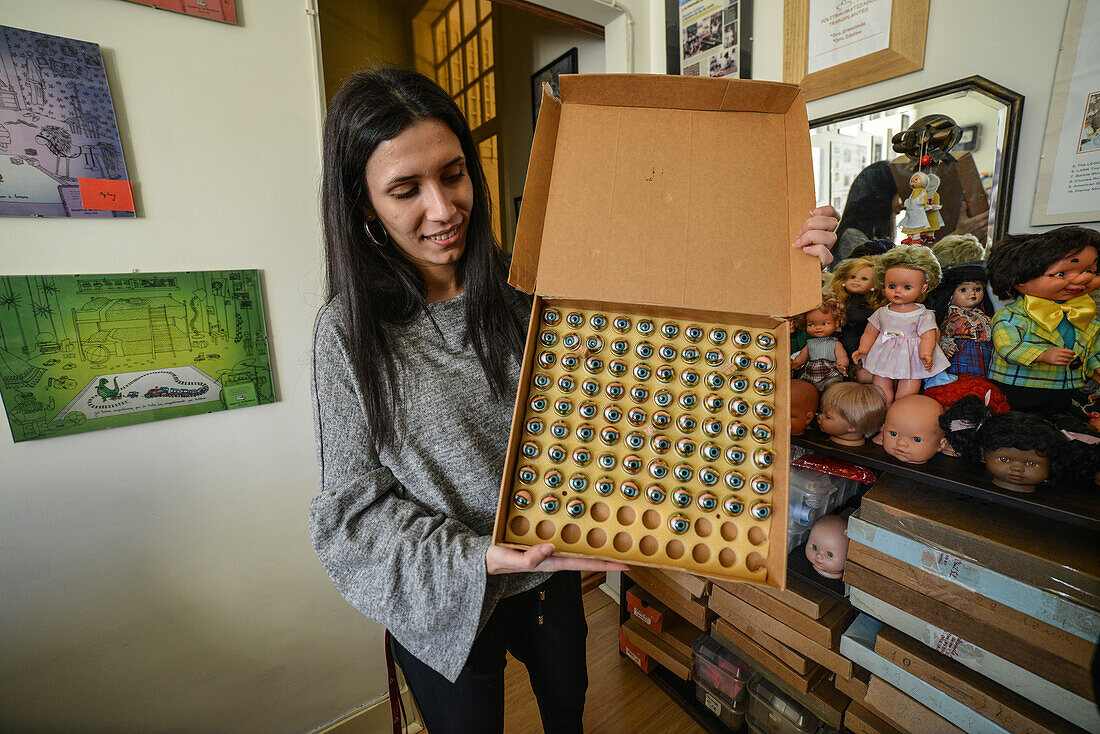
659	443
664	373
733	506
713	403
661	420
670	329
657	468
714	357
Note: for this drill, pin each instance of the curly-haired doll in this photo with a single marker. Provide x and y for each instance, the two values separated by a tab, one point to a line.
1046	344
854	283
1020	450
899	346
966	331
823	360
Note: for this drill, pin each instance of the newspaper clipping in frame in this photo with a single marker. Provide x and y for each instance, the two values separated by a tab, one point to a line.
708	37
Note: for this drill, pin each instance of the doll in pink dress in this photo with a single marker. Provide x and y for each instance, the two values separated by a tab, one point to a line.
899	345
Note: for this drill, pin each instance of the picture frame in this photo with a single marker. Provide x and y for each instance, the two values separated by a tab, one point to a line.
904	52
567	63
731	57
970	138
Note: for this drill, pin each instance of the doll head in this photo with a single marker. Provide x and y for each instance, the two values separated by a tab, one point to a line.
918	181
870	248
956	249
850	412
827	546
1020	450
906	274
804	400
853	276
962	286
1056	265
911	431
825	319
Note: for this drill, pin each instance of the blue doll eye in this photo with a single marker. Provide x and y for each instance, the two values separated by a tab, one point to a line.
830	554
574	319
629	490
522	499
814	546
681	497
604	486
733	506
678	524
893	434
551	316
917	439
549	504
574	507
707	501
760	511
578	482
655	494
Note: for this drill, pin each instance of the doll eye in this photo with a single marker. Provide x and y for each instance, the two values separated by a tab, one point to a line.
733	506
681	497
830	554
581	457
689	378
527	474
893	434
678	524
585	432
522	499
917	439
664	373
621	324
604	486
574	319
535	426
549	504
655	494
598	322
551	316
629	490
814	546
574	508
606	461
760	511
1032	463
707	501
1002	459
578	482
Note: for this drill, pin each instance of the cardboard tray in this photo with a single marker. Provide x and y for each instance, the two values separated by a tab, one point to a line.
669	198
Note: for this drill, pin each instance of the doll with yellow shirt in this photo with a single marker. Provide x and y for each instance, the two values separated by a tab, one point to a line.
1046	344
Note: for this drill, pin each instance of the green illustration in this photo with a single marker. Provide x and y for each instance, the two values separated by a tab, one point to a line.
85	352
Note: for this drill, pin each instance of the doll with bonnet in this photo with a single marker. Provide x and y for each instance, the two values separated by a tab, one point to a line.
899	346
922	218
854	283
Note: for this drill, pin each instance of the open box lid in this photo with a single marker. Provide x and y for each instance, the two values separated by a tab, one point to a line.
670	191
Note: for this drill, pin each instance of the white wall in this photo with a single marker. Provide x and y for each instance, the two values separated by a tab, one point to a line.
160	577
1011	42
527	43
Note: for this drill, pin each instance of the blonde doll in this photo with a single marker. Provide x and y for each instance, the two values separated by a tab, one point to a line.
899	346
854	283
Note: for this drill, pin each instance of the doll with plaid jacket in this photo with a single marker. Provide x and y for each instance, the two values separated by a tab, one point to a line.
1046	344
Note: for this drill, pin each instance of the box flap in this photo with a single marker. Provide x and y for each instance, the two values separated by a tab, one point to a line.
672	191
532	214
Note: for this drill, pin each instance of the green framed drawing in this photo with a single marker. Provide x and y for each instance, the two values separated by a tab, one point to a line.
85	352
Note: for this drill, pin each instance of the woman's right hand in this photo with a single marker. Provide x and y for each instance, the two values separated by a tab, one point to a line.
499	559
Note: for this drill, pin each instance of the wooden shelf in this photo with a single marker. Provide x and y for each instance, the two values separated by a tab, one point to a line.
1076	505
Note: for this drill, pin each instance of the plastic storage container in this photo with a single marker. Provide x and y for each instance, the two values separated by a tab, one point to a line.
718	704
813	494
720	670
796	534
772	711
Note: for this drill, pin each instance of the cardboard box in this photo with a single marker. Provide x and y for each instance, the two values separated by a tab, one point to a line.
995	702
947	588
1013	649
625	171
859	641
634	652
1043	553
794	660
672	596
855	687
737	610
825	631
658	649
647	610
860	720
696	587
918	718
802	597
758	657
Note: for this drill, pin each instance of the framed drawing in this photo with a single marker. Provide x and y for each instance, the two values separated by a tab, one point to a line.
1068	189
564	64
831	46
709	37
970	137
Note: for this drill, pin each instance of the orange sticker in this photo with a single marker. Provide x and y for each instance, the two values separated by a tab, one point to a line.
106	194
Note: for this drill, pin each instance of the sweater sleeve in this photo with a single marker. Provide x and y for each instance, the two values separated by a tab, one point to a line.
415	571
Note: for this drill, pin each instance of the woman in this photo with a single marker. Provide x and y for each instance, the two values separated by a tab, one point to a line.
416	365
873	203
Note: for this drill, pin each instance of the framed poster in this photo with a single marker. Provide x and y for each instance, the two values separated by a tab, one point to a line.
224	11
709	37
831	46
564	64
1068	189
85	352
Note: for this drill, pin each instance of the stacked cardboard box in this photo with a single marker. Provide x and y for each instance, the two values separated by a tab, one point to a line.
791	637
668	614
999	610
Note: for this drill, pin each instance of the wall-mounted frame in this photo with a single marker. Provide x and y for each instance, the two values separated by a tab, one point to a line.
970	137
997	145
895	43
709	38
565	64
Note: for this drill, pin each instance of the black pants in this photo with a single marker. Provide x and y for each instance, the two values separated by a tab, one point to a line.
1036	399
553	651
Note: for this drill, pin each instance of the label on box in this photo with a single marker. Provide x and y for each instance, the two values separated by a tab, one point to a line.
713	704
952	646
949	567
633	656
643	616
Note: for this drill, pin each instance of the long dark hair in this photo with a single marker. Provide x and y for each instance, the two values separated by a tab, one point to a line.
378	287
870	204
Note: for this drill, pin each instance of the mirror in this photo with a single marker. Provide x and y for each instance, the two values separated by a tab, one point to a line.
988	117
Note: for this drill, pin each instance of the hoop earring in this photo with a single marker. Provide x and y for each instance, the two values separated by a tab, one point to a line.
372	238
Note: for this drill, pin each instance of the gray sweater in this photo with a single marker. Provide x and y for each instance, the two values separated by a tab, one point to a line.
403	534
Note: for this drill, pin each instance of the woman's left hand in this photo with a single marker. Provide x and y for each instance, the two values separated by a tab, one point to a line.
818	233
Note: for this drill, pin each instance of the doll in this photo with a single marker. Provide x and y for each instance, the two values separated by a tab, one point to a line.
823	360
1019	450
827	546
966	331
898	347
956	249
854	283
1046	344
804	401
912	432
850	412
921	209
